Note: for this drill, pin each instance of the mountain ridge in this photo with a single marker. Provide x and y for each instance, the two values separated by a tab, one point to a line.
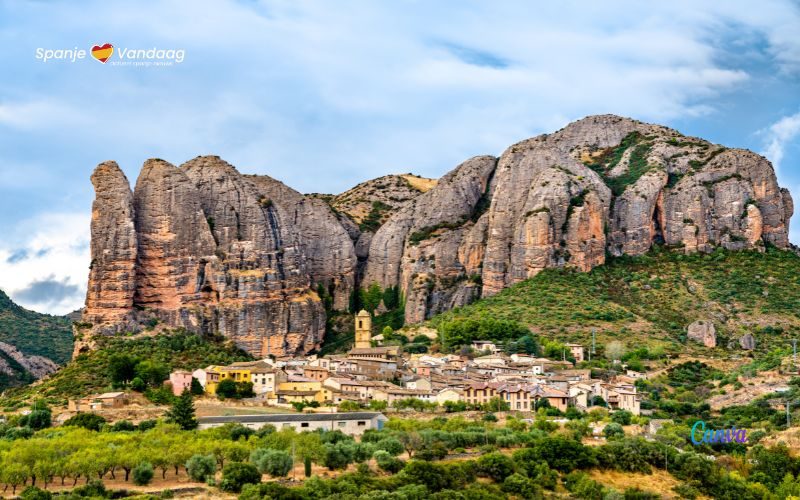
205	248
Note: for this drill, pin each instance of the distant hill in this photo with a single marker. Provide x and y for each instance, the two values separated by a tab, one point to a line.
89	372
35	334
653	298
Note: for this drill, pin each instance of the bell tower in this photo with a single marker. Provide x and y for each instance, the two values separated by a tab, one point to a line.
363	330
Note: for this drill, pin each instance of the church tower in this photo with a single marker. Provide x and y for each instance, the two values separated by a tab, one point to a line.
363	330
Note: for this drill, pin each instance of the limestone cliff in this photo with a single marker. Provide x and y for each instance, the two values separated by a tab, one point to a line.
211	255
209	249
604	184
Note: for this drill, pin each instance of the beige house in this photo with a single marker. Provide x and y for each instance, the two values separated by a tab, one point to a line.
101	401
449	394
393	394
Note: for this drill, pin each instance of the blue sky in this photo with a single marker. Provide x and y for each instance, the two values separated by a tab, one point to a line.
323	95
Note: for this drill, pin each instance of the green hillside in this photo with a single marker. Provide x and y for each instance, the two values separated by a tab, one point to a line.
34	333
90	373
654	297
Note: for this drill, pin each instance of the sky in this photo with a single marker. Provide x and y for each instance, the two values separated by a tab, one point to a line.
323	95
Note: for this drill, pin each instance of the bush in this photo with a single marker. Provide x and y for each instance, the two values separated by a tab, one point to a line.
227	389
276	463
123	425
201	467
93	489
521	486
236	474
622	417
496	466
34	493
559	453
613	431
391	445
138	385
142	474
388	463
90	421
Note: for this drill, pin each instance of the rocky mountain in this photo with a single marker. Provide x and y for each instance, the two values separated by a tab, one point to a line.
31	344
206	248
35	334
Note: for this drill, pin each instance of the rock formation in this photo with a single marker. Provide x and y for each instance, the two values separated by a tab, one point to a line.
209	249
703	332
38	366
747	342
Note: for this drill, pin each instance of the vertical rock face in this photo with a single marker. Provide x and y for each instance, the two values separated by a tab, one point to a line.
209	254
207	248
114	248
324	240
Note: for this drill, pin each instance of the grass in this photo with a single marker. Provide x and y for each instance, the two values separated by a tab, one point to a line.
637	163
656	296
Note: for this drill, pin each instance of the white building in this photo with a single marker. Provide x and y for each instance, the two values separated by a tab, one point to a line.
350	423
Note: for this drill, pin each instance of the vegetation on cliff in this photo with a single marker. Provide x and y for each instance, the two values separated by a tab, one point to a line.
34	333
653	298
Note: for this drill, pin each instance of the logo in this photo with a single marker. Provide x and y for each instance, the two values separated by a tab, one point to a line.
103	52
711	436
115	56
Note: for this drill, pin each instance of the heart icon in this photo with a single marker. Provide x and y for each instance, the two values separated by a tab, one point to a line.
102	52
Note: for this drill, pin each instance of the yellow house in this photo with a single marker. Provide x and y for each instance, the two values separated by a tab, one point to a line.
302	389
216	374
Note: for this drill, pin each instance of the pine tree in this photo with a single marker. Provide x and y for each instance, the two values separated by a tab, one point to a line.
182	412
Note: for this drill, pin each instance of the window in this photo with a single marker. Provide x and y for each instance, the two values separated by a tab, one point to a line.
304	424
361	423
341	424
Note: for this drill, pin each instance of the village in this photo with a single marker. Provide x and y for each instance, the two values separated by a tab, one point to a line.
375	377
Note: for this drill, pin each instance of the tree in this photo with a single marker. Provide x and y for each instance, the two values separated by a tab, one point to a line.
90	421
138	385
201	467
348	405
34	493
558	452
182	412
276	463
244	390
121	369
235	475
521	486
143	474
152	372
13	474
197	388
495	466
388	463
613	431
227	389
622	417
615	350
40	417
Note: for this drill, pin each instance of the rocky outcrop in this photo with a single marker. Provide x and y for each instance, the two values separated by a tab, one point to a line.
602	185
38	366
703	332
114	250
213	255
324	239
207	248
747	342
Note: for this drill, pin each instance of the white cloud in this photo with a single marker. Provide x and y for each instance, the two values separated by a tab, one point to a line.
39	114
49	249
778	136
